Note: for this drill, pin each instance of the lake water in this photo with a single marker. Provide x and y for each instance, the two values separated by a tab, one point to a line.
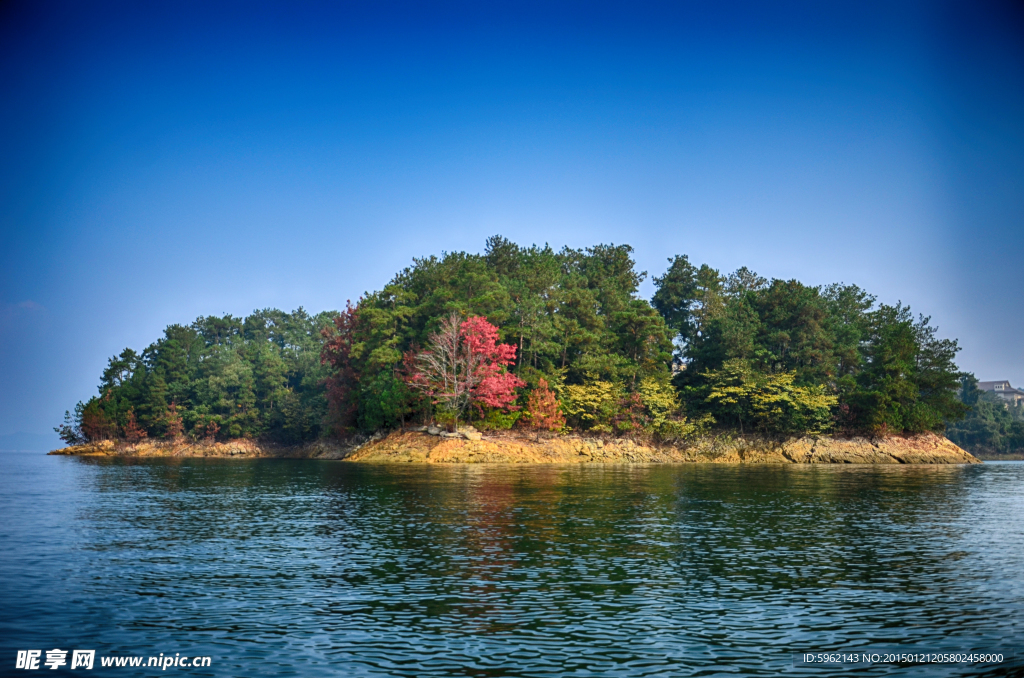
306	568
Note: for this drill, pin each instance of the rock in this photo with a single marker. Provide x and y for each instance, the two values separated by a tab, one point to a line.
506	447
235	449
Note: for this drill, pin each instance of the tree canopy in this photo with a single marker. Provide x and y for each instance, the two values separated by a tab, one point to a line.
574	347
225	377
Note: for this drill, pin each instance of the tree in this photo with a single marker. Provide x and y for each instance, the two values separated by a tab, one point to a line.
133	433
591	405
937	379
95	423
909	381
659	399
793	332
173	427
120	369
210	431
991	427
543	410
258	376
385	400
442	370
769	401
743	280
343	380
463	365
71	430
492	384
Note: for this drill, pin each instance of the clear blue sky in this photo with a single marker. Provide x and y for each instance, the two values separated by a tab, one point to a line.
161	161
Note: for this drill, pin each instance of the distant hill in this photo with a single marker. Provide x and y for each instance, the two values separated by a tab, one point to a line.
29	442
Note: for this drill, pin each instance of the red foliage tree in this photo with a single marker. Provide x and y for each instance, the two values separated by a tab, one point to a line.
494	385
337	352
465	365
133	433
543	410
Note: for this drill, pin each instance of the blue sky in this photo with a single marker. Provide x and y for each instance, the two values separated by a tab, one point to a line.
161	163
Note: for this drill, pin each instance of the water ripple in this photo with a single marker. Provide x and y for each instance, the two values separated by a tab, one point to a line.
278	567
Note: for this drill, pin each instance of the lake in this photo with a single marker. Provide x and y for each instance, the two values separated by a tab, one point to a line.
307	568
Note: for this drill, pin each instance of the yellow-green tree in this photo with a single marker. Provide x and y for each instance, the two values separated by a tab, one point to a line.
770	402
591	405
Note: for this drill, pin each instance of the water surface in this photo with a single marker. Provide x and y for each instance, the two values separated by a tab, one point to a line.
305	568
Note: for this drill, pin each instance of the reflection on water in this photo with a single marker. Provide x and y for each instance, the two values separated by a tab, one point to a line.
281	567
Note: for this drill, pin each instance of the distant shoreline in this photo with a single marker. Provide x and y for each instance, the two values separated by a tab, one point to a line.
505	447
1012	456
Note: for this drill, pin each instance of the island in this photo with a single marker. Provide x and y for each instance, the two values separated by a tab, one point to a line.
531	355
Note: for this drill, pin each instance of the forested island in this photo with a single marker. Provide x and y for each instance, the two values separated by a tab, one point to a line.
530	343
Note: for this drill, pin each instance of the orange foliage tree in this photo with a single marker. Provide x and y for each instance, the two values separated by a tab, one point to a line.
543	410
175	427
133	433
211	432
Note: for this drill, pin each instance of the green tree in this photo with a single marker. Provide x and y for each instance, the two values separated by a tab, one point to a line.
909	381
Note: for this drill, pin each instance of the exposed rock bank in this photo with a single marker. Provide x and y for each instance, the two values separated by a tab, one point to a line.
241	448
422	447
433	446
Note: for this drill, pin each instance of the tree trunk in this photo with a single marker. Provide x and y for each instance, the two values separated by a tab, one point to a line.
519	358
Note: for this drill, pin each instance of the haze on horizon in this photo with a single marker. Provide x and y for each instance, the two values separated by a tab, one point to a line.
165	162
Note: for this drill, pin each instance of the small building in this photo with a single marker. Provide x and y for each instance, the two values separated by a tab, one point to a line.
1003	390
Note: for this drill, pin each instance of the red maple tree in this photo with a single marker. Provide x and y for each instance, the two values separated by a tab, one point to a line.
494	386
465	365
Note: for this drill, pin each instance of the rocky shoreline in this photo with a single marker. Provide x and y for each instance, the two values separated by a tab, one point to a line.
435	446
241	448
